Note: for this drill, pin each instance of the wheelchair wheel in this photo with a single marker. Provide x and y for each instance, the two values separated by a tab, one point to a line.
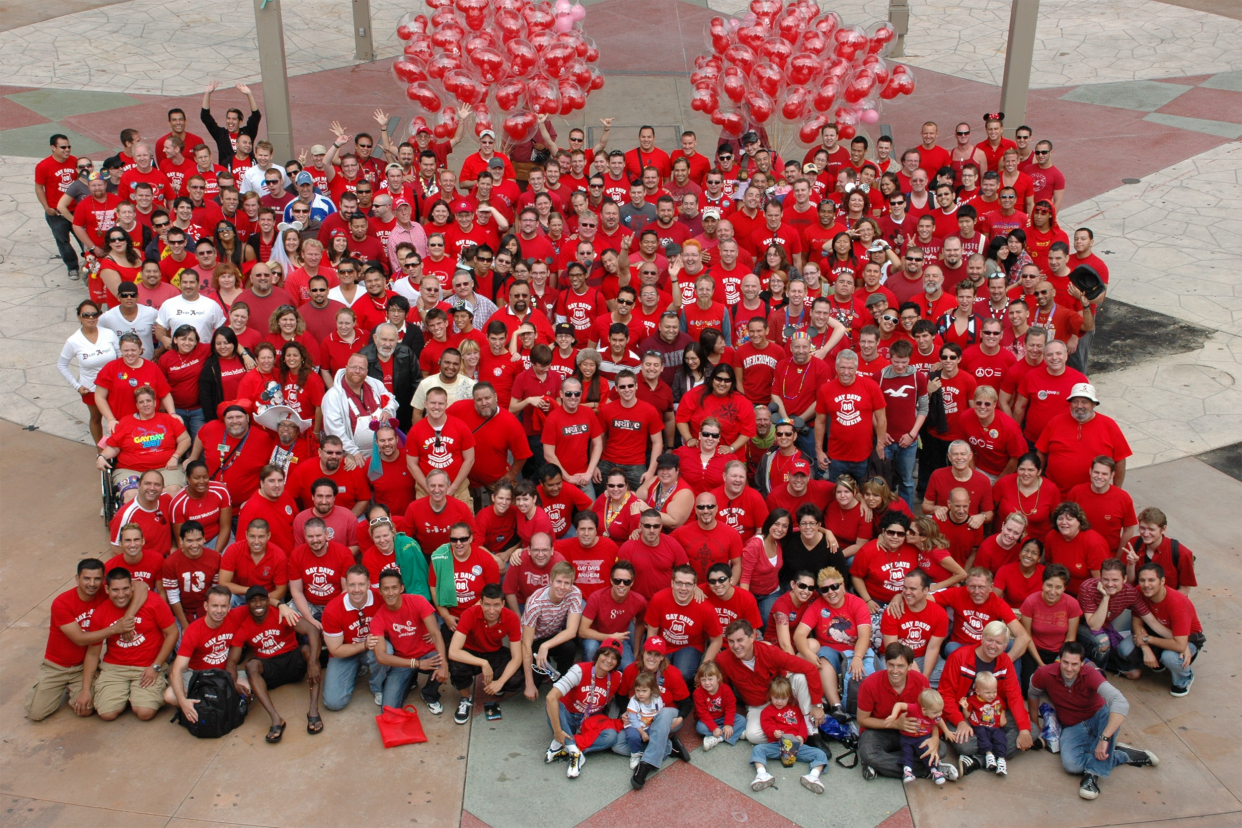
111	501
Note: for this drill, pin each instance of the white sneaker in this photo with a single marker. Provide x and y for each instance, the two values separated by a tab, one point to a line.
635	760
554	754
463	711
710	742
762	782
435	708
379	699
812	784
576	760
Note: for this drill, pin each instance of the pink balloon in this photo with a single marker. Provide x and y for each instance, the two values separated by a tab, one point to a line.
870	116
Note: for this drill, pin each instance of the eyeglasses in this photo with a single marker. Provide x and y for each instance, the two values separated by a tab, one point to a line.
460	540
64	146
410	265
913	259
616	485
626	387
705	507
161	225
827	588
348	271
317	290
892	319
1042	152
596	186
710	435
984	404
89	315
377	521
117	240
1011	197
722	579
949	358
652	525
273	182
588	226
484	259
1043	292
896	534
991	333
623	581
572	394
804	587
435	244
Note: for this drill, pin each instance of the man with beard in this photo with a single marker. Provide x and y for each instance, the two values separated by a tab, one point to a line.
393	364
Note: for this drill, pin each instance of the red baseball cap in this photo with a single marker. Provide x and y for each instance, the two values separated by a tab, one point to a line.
399	203
800	467
656	645
611	644
462	206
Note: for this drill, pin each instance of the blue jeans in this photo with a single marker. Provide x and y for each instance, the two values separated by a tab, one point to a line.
765	605
836	658
590	647
903	463
687	661
193	419
399	682
1169	658
1078	746
739	727
606	739
760	754
342	674
62	232
858	470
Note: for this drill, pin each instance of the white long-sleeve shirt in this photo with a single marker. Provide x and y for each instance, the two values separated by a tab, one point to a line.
91	357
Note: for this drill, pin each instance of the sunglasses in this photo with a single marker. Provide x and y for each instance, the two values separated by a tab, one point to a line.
713	435
722	579
626	387
459	540
827	588
967	132
572	394
616	485
892	319
892	534
1042	152
623	581
89	316
804	587
912	259
652	525
705	507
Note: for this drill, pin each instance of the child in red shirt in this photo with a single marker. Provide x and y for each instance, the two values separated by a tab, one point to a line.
929	715
785	728
984	708
715	707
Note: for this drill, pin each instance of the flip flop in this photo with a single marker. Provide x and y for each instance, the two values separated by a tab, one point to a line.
314	724
275	734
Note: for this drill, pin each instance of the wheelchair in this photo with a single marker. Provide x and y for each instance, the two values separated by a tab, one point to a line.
110	495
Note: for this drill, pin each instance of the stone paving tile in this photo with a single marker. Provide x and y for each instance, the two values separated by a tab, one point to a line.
1231	81
1147	96
1218	128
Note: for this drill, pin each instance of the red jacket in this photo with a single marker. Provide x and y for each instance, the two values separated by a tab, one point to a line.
959	676
771	661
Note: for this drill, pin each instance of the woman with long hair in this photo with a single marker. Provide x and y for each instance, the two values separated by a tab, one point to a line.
692	371
762	560
93	347
719	398
594	387
934	557
287	325
183	366
842	262
301	386
228	247
222	372
226	286
121	263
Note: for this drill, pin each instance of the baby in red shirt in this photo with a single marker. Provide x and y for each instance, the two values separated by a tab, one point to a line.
984	708
925	744
715	707
785	728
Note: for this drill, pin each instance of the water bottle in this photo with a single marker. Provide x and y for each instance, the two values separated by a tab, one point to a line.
1051	732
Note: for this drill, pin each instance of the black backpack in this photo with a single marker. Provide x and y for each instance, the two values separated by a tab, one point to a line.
220	708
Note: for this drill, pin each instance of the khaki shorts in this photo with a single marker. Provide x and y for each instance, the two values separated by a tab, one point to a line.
50	688
173	478
117	684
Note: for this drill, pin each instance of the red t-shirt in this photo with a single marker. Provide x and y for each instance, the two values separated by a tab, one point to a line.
1014	586
1109	513
470	576
1071	447
1047	396
208	649
1049	624
744	514
883	572
495	439
188	579
146	444
740	605
495	531
341	619
758	370
484	638
719	545
321	576
270	571
653	564
994	445
121	381
405	627
987	370
525	579
205	510
431	528
942	482
970	618
1176	612
156	531
877	696
592	565
627	431
278	513
55	177
395	487
352	486
141	649
849	409
267	638
441	450
1082	555
837	627
69	608
1037	508
562	508
798	385
917	629
571	436
682	626
607	616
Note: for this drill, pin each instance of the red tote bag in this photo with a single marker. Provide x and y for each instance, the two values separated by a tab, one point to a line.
400	726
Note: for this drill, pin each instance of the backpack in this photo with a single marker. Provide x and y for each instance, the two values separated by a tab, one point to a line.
220	708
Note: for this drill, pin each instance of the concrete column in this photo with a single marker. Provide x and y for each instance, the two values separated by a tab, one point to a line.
1019	53
276	110
364	47
899	16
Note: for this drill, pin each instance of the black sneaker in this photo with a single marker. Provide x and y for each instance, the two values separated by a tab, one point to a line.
838	712
640	776
968	764
1180	690
463	711
679	749
817	740
1137	757
1090	788
868	773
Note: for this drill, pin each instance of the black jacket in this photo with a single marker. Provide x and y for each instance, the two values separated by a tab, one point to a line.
224	144
405	377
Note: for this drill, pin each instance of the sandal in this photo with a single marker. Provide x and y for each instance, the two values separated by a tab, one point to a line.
275	734
314	724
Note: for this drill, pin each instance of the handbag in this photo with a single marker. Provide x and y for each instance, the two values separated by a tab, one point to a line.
400	726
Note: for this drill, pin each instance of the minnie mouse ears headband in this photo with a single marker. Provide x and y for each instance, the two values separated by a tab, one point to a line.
994	116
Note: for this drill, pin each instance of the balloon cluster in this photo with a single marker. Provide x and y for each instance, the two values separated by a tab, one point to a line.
791	63
506	60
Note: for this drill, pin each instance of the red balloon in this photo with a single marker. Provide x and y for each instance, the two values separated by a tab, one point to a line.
837	69
555	57
900	69
538	18
740	56
790	27
731	123
440	4
759	105
453	80
703	99
891	89
825	96
597	79
448	39
777	51
734	87
443	16
802	68
423	95
411	27
846	131
420	48
520	126
407	71
490	64
592	54
508	24
860	87
813	43
482	119
523	57
795	102
877	67
441	65
767	77
579	72
753	36
707	75
765	10
571	96
573	39
906	84
509	94
543	96
827	25
810	131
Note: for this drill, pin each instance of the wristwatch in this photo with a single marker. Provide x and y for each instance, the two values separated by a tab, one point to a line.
1145	639
159	668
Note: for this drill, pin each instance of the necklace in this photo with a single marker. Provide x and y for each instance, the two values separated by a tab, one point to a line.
1035	506
803	371
611	514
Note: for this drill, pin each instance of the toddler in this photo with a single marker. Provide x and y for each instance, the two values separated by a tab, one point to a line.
984	708
716	708
785	728
644	704
929	714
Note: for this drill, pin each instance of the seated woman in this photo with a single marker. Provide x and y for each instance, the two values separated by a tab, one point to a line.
667	493
1051	618
841	624
145	441
934	557
848	518
702	466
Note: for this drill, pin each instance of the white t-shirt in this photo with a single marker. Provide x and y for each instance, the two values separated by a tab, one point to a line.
204	314
91	357
142	325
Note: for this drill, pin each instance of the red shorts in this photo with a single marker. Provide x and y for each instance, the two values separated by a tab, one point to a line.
89	399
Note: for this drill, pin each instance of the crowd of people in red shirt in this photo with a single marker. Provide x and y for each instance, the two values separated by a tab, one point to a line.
817	435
